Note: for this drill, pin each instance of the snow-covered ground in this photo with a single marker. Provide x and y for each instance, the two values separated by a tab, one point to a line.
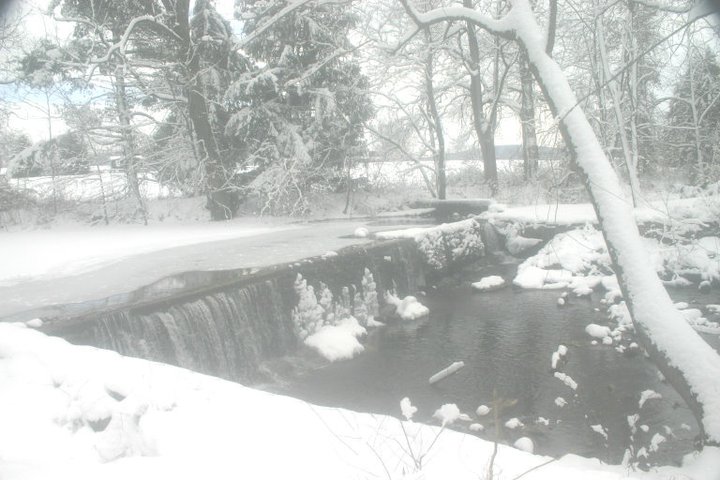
685	213
70	412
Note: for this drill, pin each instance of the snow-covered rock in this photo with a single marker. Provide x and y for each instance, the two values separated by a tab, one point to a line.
338	342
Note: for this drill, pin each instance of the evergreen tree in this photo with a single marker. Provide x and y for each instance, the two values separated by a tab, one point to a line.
300	113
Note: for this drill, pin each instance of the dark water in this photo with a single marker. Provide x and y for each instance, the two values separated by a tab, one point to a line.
506	339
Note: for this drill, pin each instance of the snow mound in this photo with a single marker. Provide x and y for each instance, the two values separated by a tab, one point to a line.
525	444
487	284
408	308
338	342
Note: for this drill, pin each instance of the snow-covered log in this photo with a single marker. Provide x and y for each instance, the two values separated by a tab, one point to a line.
446	372
686	360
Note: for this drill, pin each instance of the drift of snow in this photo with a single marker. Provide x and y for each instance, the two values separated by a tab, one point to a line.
447	414
338	342
486	284
409	308
525	444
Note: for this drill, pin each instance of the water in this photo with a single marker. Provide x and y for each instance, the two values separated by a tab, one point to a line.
506	339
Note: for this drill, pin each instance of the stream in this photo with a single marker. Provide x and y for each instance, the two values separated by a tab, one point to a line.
506	339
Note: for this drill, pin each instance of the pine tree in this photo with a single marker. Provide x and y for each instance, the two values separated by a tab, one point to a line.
301	113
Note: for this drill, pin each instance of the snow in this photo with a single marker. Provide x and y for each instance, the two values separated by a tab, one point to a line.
167	422
97	262
514	423
599	429
338	342
566	379
446	372
476	427
361	232
558	355
408	308
525	444
447	414
482	410
646	395
560	402
407	409
597	331
486	284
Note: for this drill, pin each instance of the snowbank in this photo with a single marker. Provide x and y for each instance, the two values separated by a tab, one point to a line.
71	412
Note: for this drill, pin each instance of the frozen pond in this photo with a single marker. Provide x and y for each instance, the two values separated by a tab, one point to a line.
506	339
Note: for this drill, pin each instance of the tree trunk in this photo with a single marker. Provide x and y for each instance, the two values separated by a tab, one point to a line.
437	127
527	121
222	202
128	141
484	131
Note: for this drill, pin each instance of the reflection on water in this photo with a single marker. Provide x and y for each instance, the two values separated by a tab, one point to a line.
506	339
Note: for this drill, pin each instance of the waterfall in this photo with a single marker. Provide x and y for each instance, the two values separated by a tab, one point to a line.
228	323
226	334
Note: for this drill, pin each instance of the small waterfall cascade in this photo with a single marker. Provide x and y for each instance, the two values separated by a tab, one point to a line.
226	333
230	328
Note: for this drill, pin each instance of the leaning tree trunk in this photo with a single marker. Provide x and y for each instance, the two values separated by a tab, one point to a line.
688	362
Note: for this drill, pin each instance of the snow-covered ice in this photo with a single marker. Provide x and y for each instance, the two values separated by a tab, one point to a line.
487	284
